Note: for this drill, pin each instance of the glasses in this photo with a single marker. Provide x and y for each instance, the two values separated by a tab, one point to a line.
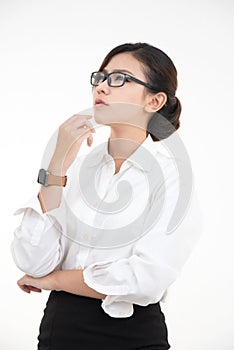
115	79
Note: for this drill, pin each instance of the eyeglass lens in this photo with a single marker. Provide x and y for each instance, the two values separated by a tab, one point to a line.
114	79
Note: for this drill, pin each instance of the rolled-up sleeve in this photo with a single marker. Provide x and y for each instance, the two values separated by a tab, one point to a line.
36	247
136	280
155	263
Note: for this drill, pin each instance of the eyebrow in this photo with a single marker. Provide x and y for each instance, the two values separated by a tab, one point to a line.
119	70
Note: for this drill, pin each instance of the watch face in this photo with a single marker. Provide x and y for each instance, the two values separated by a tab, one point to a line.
42	177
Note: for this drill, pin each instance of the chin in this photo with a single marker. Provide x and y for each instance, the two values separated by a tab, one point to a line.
101	118
119	113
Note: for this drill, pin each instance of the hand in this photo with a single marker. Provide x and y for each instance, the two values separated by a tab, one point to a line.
28	283
70	137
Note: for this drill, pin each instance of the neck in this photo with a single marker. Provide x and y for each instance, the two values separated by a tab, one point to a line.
123	141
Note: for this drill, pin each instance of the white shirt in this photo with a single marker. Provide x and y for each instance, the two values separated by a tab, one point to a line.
124	249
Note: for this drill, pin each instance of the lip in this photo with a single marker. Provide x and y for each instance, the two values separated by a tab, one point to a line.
100	102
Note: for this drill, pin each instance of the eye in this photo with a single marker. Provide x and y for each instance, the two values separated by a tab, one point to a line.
118	77
98	78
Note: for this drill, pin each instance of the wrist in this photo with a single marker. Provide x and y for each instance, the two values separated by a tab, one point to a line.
56	280
56	167
57	170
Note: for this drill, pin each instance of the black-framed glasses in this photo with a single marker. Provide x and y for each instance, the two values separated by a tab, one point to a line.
115	79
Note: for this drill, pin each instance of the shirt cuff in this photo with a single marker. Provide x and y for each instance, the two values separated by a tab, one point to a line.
111	304
34	221
116	308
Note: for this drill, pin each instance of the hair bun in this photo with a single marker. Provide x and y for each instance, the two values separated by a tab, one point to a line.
165	121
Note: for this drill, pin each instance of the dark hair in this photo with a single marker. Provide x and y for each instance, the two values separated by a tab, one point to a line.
161	73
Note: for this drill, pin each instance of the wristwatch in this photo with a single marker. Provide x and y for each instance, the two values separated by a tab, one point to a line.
45	178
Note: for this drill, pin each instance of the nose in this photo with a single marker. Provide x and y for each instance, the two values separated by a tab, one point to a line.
103	88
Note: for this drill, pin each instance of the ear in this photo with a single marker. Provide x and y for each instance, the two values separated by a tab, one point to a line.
155	102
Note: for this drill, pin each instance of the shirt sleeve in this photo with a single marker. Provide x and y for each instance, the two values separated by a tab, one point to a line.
36	248
154	265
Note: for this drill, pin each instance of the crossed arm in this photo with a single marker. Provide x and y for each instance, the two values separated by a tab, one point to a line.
70	281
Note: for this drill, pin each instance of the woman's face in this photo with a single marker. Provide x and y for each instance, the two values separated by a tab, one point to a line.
125	103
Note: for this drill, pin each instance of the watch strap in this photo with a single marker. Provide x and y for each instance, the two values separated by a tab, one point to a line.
54	180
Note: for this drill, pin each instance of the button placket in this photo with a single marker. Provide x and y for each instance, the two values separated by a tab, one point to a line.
99	217
82	257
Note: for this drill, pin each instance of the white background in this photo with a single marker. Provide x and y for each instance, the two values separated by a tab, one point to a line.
47	51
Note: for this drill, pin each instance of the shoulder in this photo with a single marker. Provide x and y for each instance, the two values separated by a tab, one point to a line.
164	170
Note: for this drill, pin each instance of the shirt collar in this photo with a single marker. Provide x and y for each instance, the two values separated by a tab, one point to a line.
138	158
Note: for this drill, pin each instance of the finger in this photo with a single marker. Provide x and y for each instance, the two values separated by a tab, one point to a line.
28	288
24	280
90	140
82	132
76	117
24	288
90	125
34	289
79	124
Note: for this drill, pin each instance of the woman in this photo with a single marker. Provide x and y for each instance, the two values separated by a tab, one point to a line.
106	281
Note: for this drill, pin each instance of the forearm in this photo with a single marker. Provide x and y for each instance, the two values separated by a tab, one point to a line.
50	196
70	137
72	281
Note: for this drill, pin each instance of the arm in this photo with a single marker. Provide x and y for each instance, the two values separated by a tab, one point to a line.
139	279
70	281
156	261
37	249
69	140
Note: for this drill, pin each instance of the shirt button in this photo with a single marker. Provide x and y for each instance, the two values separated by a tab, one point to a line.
121	313
85	237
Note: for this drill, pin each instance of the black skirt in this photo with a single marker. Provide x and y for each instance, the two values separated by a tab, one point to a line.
73	322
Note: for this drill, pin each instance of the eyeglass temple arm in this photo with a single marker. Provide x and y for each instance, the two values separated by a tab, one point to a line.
141	82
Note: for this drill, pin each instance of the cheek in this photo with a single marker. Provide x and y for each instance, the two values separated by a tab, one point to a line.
130	96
